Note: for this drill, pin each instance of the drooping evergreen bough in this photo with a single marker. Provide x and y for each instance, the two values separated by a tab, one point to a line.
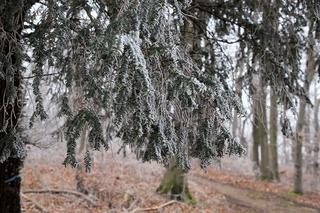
130	59
131	63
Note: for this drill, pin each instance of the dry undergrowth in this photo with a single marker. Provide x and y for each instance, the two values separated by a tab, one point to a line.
119	184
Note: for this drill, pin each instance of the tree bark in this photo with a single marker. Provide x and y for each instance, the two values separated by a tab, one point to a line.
11	24
255	136
259	131
10	185
255	124
298	150
273	132
315	164
263	137
308	142
175	184
236	122
309	73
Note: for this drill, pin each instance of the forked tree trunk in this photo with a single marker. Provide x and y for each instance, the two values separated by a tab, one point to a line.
260	137
175	184
270	21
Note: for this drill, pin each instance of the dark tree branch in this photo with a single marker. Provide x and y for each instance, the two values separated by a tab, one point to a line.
49	74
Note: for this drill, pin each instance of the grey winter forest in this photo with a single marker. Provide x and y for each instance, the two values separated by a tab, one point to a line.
159	106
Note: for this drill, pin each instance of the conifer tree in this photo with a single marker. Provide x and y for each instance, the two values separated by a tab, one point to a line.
134	69
131	65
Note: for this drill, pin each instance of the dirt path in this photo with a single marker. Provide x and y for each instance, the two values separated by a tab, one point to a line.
251	200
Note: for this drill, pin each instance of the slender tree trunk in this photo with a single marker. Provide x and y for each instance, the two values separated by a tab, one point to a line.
236	122
80	185
255	124
273	131
255	137
286	146
269	20
260	137
316	138
315	160
263	137
298	150
308	141
285	151
309	73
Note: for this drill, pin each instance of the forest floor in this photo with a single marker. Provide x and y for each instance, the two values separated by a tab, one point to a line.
118	184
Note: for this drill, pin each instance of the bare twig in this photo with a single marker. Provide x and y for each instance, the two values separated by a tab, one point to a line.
68	192
48	74
154	208
35	203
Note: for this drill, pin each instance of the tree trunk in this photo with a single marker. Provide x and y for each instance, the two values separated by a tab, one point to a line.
260	137
273	131
308	142
286	159
236	122
316	138
10	185
298	150
315	160
309	73
255	126
175	184
80	181
263	137
11	22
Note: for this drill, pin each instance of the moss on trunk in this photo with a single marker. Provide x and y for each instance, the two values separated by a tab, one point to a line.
175	185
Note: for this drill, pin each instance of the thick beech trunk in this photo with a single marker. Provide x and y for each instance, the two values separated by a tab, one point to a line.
175	184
